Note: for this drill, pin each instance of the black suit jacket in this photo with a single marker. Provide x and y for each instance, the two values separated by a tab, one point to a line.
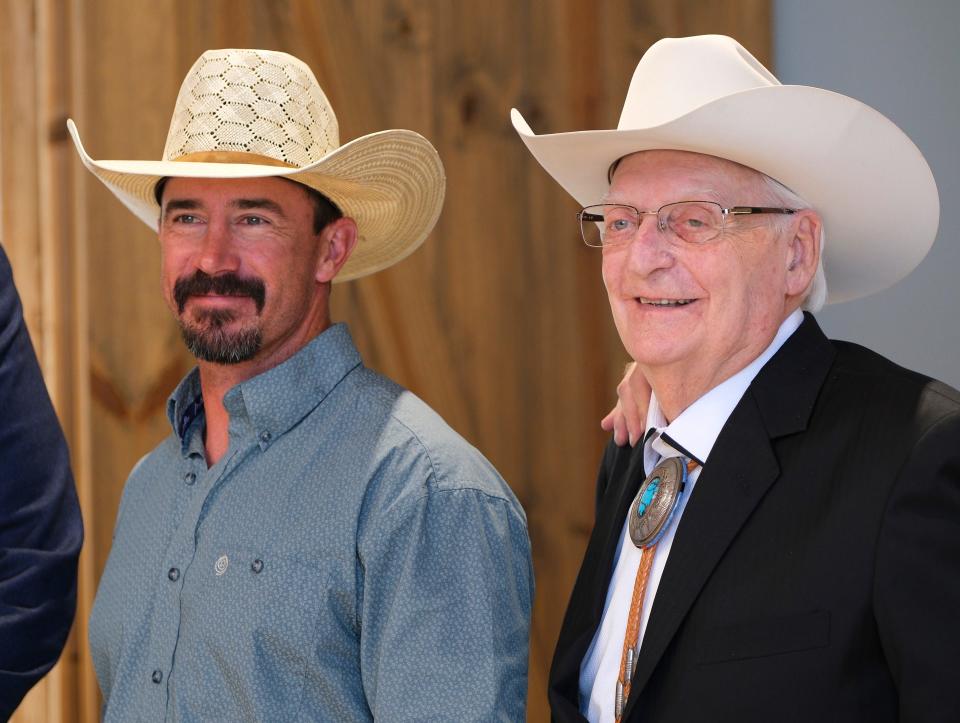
40	528
815	573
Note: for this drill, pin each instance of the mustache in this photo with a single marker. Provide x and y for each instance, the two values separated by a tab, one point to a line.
201	283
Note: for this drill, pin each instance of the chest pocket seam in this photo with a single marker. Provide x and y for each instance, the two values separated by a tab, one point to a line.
764	637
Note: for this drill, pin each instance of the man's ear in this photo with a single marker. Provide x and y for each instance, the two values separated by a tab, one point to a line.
337	240
803	252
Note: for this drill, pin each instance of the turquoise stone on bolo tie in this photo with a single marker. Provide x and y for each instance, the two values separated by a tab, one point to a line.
656	502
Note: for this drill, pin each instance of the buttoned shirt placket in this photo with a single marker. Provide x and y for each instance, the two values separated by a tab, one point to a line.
200	486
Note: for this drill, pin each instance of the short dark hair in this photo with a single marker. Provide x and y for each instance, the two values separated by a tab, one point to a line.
325	211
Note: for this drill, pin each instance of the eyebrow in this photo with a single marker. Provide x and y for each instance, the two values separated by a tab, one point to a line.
701	195
245	204
178	204
607	198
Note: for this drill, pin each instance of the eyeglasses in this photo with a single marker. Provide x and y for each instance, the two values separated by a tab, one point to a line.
696	222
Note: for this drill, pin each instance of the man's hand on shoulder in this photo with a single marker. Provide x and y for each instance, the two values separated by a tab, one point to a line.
628	419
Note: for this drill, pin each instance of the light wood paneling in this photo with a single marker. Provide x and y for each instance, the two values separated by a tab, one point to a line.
37	197
499	321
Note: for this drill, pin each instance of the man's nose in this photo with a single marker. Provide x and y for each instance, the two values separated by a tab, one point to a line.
650	248
218	252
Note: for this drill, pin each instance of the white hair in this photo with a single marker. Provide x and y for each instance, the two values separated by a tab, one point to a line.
816	294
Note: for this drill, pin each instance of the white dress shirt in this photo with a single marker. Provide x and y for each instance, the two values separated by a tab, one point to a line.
693	432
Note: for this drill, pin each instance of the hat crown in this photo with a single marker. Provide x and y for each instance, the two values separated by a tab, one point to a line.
260	102
678	75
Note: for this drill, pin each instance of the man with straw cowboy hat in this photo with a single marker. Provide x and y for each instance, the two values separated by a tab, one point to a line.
311	542
783	544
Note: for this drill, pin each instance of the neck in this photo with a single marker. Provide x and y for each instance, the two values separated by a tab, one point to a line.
218	379
678	385
677	389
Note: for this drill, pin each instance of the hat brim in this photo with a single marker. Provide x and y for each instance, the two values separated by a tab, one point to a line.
391	182
863	175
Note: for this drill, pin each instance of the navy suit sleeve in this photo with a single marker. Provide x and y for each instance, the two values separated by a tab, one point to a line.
917	586
40	527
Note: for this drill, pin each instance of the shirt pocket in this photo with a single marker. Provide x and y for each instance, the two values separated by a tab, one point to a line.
249	625
763	637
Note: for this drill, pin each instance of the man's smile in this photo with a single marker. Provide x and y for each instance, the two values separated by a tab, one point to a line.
664	302
219	298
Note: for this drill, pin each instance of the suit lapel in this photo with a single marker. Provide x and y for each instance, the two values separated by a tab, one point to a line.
729	487
590	590
741	468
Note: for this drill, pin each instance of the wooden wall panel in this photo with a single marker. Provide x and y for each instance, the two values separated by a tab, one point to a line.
37	196
499	322
19	143
129	78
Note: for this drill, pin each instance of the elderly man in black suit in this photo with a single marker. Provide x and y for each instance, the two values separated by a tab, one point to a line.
40	527
784	545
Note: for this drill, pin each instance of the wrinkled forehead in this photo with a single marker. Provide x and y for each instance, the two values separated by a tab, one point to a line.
669	167
262	186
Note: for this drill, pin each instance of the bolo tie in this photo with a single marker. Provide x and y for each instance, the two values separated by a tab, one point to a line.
649	518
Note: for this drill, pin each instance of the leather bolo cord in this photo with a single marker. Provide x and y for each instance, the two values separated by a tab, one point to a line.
628	659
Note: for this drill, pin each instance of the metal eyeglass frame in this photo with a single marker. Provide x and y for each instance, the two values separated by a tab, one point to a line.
585	216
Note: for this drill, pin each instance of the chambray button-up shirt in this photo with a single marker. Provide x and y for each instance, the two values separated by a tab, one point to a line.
350	557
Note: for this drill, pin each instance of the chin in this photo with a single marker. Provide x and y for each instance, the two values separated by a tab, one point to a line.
657	351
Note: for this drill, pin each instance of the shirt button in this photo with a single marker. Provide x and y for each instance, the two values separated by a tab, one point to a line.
157	676
265	437
256	565
174	574
189	478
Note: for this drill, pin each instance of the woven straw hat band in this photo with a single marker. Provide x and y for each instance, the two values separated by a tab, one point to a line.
268	105
231	157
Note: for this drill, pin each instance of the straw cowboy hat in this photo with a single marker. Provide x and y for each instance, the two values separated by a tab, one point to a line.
259	113
707	94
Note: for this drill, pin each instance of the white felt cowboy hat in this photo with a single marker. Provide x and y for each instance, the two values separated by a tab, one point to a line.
258	113
707	94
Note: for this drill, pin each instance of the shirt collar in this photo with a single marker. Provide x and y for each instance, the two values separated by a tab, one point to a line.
277	399
185	407
695	430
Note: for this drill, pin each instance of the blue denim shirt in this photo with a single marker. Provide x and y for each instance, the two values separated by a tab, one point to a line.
349	558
